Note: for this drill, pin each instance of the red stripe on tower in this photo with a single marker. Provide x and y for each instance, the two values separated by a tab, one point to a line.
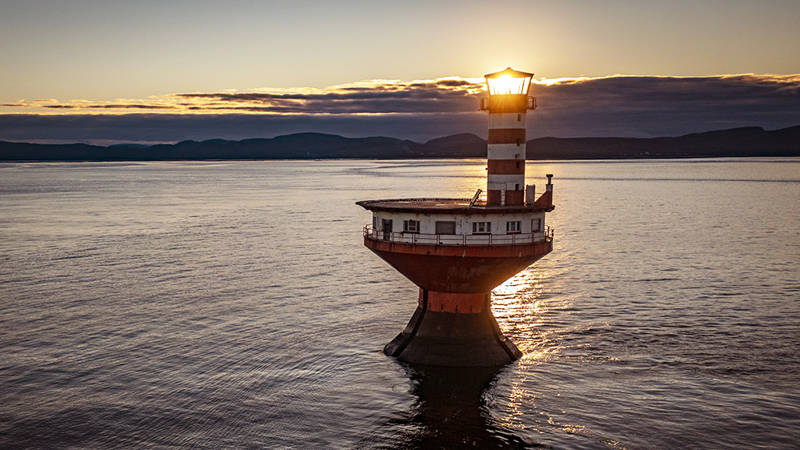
514	136
506	166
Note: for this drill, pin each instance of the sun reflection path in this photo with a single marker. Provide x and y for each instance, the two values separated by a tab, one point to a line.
523	311
520	309
526	310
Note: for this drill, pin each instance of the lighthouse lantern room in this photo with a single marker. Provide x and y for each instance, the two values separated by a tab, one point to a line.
458	249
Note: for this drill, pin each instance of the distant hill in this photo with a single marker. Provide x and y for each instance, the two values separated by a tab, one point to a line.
750	141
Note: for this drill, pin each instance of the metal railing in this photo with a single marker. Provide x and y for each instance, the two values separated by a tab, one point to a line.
460	239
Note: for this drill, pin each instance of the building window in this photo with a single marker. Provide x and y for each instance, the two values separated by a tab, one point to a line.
411	226
516	187
536	225
445	227
374	222
519	117
481	227
512	226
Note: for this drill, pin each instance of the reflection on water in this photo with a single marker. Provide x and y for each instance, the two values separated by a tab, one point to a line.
451	412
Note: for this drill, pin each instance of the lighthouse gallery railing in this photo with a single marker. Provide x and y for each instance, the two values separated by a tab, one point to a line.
459	239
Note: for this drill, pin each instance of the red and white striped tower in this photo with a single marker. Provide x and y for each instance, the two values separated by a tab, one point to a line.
507	104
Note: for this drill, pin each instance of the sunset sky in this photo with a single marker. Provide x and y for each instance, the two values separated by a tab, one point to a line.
96	71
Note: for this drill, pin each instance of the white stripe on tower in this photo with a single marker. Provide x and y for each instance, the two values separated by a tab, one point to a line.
504	151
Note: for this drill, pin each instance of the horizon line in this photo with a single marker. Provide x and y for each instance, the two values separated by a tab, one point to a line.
112	142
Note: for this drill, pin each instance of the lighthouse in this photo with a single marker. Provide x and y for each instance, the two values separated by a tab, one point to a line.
456	250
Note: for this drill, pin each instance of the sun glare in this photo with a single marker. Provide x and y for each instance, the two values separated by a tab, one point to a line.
506	84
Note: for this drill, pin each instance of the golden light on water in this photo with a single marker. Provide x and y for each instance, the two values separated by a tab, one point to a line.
520	309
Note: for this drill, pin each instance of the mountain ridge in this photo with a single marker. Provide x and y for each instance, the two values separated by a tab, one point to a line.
733	142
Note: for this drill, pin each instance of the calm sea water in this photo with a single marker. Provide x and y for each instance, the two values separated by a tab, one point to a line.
233	304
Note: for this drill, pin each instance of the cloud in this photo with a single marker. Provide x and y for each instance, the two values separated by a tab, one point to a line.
109	106
443	95
436	96
616	105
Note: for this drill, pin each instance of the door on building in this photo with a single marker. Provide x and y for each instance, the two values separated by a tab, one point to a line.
386	226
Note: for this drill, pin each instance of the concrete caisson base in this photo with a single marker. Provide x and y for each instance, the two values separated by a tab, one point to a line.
438	338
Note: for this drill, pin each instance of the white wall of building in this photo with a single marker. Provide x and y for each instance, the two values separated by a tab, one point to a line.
463	221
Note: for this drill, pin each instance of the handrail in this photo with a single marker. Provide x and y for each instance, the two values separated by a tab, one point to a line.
460	239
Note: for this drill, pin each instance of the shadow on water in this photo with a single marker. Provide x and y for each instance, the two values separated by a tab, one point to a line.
450	411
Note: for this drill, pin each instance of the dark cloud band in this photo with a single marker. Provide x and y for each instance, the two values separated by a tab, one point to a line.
638	106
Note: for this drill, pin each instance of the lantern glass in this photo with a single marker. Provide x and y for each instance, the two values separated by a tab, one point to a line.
506	84
509	82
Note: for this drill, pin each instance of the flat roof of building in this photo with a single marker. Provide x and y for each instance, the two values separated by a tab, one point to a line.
445	206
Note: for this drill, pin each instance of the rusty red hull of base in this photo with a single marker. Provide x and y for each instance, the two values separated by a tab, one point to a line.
453	324
465	269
